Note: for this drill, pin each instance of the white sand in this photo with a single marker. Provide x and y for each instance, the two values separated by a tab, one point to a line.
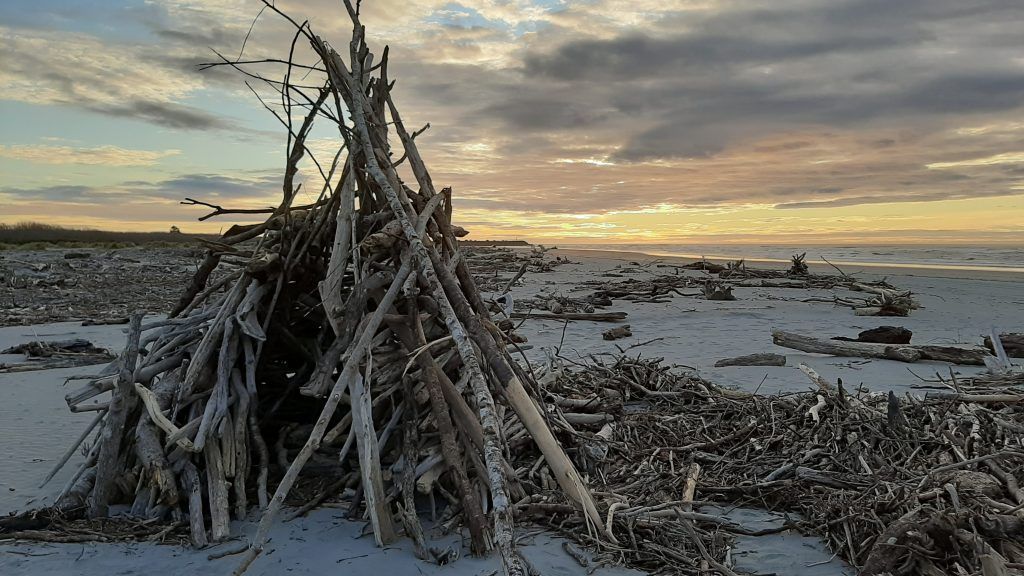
321	543
36	426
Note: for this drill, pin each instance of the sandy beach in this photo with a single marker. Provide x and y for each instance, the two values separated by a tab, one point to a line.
955	310
689	331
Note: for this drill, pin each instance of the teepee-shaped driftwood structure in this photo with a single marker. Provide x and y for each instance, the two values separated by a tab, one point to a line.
358	316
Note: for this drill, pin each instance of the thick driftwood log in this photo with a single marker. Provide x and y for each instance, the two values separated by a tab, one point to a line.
616	333
217	488
901	352
369	462
882	335
112	431
191	485
1013	344
197	283
593	316
764	359
954	355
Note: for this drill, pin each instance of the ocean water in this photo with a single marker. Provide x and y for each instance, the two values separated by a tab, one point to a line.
999	258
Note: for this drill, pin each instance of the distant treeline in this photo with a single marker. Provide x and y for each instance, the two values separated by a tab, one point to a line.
494	242
36	232
24	233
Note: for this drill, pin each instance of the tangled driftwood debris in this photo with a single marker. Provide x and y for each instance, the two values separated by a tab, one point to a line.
798	265
895	485
41	285
883	299
42	355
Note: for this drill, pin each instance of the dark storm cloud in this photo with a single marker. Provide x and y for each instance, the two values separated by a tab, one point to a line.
222	186
212	37
166	114
56	193
743	73
701	121
893	198
209	187
639	57
760	33
541	113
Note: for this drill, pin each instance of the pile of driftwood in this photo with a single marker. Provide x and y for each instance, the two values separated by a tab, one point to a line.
895	485
353	321
40	286
490	266
882	299
48	355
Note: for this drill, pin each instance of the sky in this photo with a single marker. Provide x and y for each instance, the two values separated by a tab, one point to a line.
643	121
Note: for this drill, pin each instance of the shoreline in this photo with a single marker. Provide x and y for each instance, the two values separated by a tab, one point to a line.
993	273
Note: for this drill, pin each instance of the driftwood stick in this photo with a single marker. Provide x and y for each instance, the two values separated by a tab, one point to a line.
218	492
202	358
198	282
112	432
241	444
979	398
690	486
254	429
410	448
191	485
330	287
512	282
216	405
369	462
74	446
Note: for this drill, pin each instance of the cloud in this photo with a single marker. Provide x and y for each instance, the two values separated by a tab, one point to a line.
605	107
706	103
101	155
244	190
219	186
747	70
49	193
894	199
144	82
1014	158
167	114
215	37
